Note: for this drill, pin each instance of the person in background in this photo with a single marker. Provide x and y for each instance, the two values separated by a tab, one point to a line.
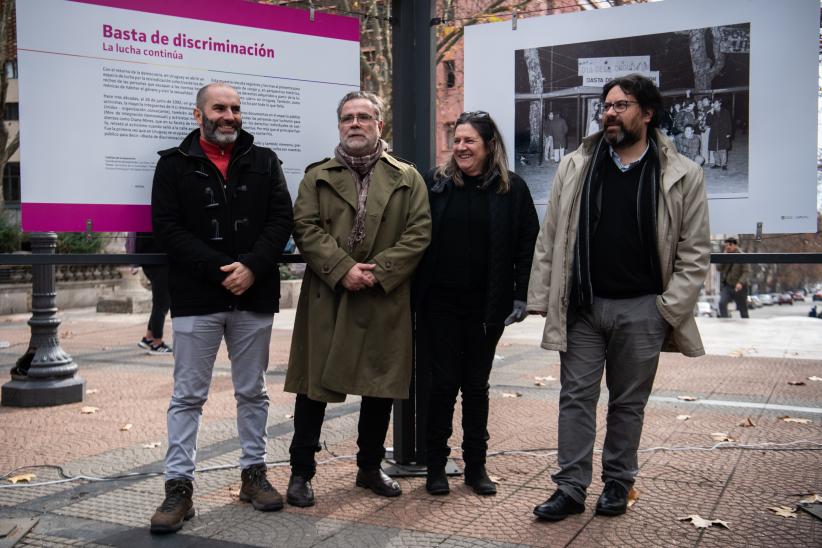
734	280
472	282
157	274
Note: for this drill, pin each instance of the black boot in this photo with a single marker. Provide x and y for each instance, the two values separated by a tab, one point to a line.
477	478
436	482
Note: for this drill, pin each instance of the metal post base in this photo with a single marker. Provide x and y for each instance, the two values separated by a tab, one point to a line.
394	469
30	392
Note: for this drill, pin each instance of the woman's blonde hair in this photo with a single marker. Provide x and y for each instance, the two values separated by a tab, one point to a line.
497	161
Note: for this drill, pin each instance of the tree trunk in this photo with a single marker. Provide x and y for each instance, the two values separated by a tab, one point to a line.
705	68
535	81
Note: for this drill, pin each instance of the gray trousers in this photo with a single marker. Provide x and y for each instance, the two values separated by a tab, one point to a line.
623	337
196	341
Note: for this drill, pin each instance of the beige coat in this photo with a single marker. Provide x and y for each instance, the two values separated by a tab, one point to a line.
683	242
356	342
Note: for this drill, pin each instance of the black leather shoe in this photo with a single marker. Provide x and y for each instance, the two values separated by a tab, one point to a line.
436	482
477	479
300	493
558	507
379	483
613	501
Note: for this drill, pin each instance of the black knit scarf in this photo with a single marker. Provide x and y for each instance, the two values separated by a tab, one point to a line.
591	205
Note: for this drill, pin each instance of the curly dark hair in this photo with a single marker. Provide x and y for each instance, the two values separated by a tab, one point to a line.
643	90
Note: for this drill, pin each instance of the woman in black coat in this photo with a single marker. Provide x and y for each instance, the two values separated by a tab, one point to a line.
472	282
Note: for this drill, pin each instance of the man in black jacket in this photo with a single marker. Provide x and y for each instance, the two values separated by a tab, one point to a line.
222	212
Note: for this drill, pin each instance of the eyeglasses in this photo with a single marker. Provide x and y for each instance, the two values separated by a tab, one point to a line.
473	115
363	118
619	106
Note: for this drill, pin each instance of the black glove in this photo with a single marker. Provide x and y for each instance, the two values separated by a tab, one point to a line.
517	313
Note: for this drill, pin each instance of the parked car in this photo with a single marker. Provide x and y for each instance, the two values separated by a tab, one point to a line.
754	301
766	299
705	309
785	298
817	296
798	296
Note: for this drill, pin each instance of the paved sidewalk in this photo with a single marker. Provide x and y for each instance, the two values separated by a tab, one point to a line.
683	470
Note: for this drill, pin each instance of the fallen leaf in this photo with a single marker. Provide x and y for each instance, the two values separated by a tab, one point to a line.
89	410
289	416
498	357
548	378
783	511
22	478
747	423
721	436
152	445
67	334
92	390
810	499
683	417
701	523
796	383
511	395
539	383
495	479
815	378
233	492
125	427
633	496
687	398
797	420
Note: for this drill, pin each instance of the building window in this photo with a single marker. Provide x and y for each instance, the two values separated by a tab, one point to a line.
11	111
11	184
11	68
450	74
449	136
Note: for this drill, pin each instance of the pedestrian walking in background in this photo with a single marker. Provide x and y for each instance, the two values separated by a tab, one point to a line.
734	280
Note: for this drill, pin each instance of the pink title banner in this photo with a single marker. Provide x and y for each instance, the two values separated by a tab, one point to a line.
246	14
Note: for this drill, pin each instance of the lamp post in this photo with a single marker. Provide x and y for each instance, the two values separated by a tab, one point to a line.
45	374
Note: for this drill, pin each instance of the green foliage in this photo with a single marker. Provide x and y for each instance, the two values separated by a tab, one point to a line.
9	235
78	242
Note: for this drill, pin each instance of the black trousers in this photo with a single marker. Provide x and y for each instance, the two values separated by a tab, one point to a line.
160	298
728	294
459	355
372	428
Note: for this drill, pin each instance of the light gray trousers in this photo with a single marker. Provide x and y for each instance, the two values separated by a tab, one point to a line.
196	341
623	337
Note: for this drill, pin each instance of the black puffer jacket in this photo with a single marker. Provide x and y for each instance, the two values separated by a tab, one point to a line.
513	229
203	223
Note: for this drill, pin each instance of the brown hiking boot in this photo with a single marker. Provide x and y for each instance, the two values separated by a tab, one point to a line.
175	509
258	491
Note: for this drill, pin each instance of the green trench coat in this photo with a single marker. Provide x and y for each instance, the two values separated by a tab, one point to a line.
356	342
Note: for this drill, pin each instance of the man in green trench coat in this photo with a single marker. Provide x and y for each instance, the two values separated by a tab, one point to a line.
362	223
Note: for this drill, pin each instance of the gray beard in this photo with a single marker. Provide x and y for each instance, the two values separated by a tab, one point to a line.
213	136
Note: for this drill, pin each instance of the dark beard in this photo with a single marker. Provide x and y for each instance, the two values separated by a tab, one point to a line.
623	138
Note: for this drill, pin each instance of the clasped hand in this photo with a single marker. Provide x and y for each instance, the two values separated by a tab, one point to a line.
359	277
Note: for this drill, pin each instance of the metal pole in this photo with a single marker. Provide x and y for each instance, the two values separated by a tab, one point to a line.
413	122
45	374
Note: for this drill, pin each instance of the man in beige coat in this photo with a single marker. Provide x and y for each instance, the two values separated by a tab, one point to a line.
362	223
621	256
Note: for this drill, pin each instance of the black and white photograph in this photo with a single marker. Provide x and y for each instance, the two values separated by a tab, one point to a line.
703	75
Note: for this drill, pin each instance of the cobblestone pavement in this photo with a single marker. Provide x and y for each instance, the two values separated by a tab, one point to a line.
683	470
